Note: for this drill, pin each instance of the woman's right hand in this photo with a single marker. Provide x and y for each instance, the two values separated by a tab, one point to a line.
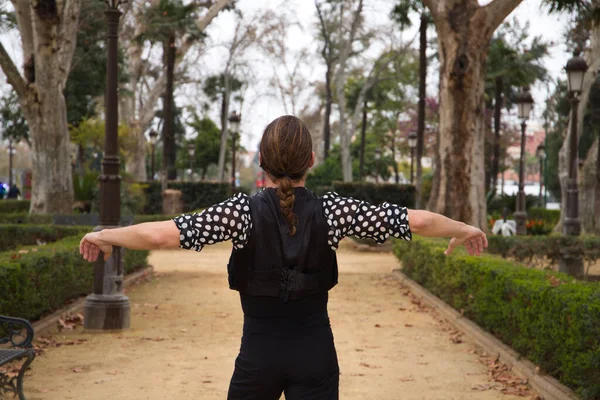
91	245
473	238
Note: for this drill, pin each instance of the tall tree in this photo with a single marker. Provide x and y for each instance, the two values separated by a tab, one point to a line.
166	22
147	81
464	30
511	66
48	38
400	14
329	53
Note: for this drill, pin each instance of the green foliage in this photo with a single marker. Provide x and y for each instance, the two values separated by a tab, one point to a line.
170	18
40	281
12	236
195	195
403	195
85	187
549	216
547	317
25	218
327	172
553	144
87	77
12	122
496	204
545	250
14	206
207	144
518	66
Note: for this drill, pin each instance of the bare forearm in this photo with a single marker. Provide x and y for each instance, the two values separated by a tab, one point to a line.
425	223
146	236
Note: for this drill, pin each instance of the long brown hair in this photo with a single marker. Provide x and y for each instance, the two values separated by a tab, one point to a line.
286	152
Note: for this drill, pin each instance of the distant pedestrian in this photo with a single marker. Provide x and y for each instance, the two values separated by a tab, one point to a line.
13	192
2	191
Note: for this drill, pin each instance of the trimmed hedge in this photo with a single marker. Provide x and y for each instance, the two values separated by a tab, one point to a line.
13	236
41	280
14	206
541	250
547	317
26	218
195	195
548	216
374	193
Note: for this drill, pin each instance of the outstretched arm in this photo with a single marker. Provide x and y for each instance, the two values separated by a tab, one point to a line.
426	223
146	236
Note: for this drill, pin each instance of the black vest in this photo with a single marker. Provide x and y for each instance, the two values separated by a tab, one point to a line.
275	264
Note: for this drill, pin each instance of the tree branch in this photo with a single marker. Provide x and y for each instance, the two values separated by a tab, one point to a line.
13	76
497	11
67	37
23	15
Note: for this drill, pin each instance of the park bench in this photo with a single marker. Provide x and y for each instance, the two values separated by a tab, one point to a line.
16	335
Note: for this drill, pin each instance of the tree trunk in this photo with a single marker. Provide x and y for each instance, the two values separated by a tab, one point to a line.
168	113
496	144
593	61
396	172
422	94
224	133
464	32
344	136
48	36
588	192
362	142
328	103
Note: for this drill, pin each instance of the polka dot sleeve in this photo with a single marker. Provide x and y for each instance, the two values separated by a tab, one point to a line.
229	220
351	217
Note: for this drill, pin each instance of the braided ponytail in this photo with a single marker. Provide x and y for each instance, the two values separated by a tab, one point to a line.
285	192
286	153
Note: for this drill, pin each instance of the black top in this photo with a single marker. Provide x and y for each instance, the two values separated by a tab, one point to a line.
232	220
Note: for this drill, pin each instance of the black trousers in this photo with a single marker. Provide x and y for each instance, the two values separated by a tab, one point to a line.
292	356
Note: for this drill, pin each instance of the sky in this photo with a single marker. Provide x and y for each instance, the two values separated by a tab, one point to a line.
261	104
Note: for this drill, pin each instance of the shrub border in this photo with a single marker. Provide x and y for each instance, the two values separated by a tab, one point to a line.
548	387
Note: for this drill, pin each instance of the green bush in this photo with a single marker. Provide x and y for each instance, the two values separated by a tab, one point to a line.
547	317
138	219
541	250
41	280
14	206
496	204
13	236
550	217
374	193
195	195
26	218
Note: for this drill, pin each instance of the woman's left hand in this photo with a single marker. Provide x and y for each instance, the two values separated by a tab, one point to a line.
91	245
473	238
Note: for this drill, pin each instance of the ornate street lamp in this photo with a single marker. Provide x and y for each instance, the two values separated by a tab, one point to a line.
377	158
107	308
191	152
234	123
153	138
524	106
572	263
541	154
412	143
11	152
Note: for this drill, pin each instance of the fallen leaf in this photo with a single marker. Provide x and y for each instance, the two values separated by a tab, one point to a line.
481	388
364	364
408	325
406	379
78	369
206	381
44	390
377	326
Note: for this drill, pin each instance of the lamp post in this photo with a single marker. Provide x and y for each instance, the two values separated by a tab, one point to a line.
11	152
234	123
107	308
541	154
191	152
153	138
412	143
572	263
524	105
377	158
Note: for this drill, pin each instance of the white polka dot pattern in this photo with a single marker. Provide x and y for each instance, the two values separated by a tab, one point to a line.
351	217
229	220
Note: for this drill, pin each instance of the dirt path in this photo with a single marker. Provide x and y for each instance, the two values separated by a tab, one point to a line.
186	327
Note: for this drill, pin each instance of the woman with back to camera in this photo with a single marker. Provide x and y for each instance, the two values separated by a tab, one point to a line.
283	263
